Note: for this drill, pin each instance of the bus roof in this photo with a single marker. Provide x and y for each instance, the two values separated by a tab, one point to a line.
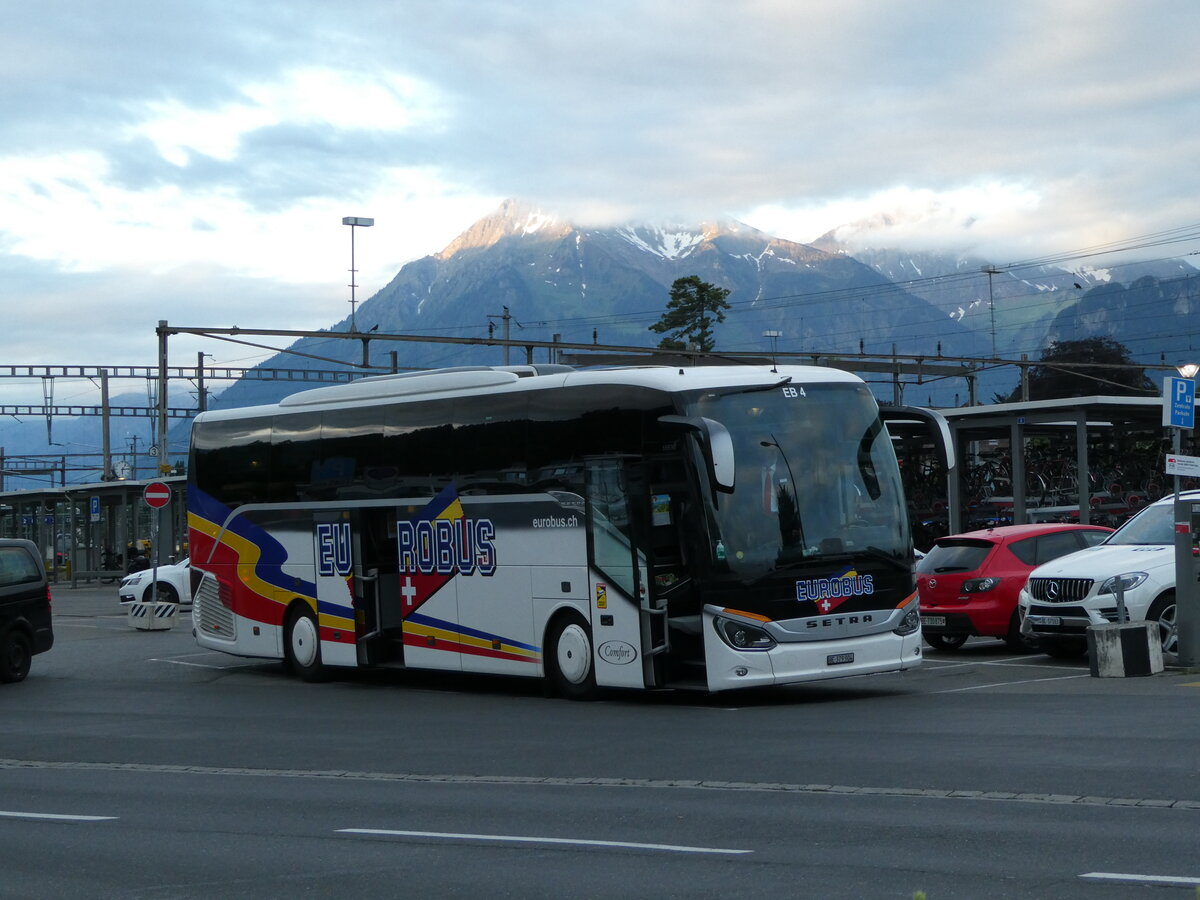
469	380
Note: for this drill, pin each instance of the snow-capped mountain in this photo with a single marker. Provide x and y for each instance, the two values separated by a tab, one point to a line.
609	284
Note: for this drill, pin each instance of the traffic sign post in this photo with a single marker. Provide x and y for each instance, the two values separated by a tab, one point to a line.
154	615
1179	412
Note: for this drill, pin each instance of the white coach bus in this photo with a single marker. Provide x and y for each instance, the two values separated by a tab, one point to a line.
713	527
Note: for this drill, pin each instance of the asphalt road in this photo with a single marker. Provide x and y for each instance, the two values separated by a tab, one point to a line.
136	764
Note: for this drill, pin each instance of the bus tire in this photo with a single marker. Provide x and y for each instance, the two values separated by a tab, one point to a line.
569	665
302	643
16	651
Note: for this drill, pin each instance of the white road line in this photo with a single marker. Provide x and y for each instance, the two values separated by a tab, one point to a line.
977	687
598	781
1141	879
522	839
196	665
1002	663
54	817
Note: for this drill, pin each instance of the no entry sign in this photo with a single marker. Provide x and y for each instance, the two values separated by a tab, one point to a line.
156	494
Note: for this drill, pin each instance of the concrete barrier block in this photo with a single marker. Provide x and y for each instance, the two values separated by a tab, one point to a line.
1124	650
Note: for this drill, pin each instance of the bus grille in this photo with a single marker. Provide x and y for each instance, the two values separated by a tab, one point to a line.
211	615
1060	590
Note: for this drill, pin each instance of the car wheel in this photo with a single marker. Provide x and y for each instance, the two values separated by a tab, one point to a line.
302	644
1063	648
1163	612
946	641
16	651
569	664
1022	643
166	594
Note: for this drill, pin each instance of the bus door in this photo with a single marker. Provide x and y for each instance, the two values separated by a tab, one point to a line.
375	588
636	556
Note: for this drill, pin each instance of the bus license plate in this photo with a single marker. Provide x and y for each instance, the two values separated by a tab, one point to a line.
837	659
934	621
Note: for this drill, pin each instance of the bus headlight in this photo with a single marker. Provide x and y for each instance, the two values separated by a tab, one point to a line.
910	623
741	636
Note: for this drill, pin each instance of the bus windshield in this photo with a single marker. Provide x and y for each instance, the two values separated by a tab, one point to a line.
815	477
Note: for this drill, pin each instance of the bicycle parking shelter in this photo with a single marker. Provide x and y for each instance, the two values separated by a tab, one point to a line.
1095	427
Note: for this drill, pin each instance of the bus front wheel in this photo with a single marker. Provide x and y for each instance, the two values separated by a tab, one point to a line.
303	644
569	662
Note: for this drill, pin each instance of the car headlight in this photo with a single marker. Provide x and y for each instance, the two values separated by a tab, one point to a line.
741	636
1127	582
979	585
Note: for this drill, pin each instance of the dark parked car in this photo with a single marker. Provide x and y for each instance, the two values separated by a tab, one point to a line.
25	628
969	583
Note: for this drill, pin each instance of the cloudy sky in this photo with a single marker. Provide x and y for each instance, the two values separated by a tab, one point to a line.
191	160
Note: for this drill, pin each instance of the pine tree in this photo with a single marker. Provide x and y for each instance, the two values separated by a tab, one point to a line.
695	307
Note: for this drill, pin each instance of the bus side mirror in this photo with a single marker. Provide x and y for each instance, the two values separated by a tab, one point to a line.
716	443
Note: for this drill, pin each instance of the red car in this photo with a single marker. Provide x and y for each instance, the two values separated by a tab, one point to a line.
968	583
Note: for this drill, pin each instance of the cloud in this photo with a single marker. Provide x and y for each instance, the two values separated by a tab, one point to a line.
175	156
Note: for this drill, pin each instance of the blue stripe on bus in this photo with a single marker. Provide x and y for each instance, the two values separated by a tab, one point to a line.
418	619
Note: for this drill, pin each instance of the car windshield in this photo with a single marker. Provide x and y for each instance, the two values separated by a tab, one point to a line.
1153	525
815	476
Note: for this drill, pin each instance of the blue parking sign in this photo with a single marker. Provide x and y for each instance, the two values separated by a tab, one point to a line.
1179	402
94	509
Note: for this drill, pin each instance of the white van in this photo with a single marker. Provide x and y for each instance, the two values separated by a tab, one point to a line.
1063	597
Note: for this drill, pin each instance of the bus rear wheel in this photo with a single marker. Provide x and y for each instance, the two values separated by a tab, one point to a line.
569	663
302	644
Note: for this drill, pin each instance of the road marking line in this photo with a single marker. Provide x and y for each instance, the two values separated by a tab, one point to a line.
597	781
522	839
54	817
1141	879
180	662
1004	664
977	687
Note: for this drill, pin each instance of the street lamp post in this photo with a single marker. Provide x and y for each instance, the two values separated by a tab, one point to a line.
1187	616
354	222
774	336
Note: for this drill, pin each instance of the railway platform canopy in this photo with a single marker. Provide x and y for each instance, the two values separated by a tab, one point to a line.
1093	460
86	531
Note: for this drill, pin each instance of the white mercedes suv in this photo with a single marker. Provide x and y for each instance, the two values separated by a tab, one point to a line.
1063	597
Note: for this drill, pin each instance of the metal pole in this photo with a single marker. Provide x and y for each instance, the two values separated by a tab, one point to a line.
106	447
201	394
164	465
507	334
162	398
992	270
353	320
1187	617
